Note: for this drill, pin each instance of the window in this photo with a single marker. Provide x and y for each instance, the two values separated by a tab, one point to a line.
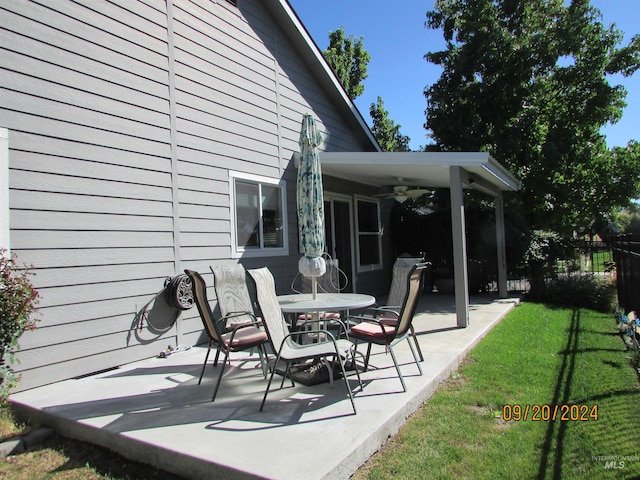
258	217
369	233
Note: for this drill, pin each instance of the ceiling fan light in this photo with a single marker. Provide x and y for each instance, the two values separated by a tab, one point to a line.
400	198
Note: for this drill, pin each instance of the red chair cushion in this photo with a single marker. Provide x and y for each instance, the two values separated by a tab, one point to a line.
368	329
245	338
321	316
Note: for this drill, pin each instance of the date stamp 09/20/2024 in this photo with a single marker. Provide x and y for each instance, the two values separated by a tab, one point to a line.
546	413
566	413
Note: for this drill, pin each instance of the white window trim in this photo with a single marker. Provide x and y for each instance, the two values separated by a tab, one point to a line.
367	268
238	252
5	232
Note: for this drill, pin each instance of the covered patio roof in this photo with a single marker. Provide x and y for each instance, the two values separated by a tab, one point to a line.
453	170
426	169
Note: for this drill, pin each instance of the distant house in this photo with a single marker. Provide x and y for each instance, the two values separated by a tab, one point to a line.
135	140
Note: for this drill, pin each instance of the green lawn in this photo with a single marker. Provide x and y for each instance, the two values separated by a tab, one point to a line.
536	356
597	261
601	260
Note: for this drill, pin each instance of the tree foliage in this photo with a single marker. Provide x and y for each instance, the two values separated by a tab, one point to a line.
385	130
628	219
528	81
348	59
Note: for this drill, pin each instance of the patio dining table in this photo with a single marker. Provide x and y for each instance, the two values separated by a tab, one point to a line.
336	301
305	303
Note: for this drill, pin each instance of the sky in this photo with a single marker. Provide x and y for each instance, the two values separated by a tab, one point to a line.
397	40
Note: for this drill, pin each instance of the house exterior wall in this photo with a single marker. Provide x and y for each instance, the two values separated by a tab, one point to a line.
124	119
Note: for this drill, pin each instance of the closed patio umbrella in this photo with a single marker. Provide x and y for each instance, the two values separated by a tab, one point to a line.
310	203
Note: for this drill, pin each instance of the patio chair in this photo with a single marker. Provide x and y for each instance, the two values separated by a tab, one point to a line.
283	341
239	338
372	330
389	313
234	302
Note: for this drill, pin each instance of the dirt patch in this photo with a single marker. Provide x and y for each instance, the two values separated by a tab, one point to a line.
490	412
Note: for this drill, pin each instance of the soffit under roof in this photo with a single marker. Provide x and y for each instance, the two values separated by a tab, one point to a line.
426	169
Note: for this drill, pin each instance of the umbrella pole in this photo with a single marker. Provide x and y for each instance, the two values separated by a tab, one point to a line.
315	315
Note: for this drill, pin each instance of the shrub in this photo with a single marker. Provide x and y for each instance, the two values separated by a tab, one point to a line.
18	300
541	259
580	291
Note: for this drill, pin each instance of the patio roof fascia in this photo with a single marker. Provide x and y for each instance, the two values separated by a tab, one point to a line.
417	168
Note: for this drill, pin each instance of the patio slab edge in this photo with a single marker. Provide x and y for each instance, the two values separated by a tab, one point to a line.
165	459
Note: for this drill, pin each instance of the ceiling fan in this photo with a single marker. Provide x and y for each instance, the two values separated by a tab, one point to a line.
401	193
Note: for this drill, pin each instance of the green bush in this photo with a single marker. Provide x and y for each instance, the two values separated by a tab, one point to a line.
18	300
580	291
541	259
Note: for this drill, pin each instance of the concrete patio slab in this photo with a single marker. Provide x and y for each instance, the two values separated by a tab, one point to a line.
155	412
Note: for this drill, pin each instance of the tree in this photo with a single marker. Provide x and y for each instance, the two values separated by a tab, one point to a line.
348	59
528	82
628	219
386	132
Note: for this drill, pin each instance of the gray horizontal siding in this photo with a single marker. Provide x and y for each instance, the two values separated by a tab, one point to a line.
62	258
72	221
28	199
84	95
106	273
25	74
35	124
123	126
82	115
87	292
93	353
103	310
107	186
56	33
152	166
206	255
30	239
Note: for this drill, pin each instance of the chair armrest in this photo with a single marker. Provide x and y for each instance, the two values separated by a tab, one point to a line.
395	310
365	318
253	323
390	307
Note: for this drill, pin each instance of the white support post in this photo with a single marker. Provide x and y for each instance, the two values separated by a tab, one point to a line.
501	247
459	247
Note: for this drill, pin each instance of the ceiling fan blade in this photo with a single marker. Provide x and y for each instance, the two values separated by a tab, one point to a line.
402	192
385	195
